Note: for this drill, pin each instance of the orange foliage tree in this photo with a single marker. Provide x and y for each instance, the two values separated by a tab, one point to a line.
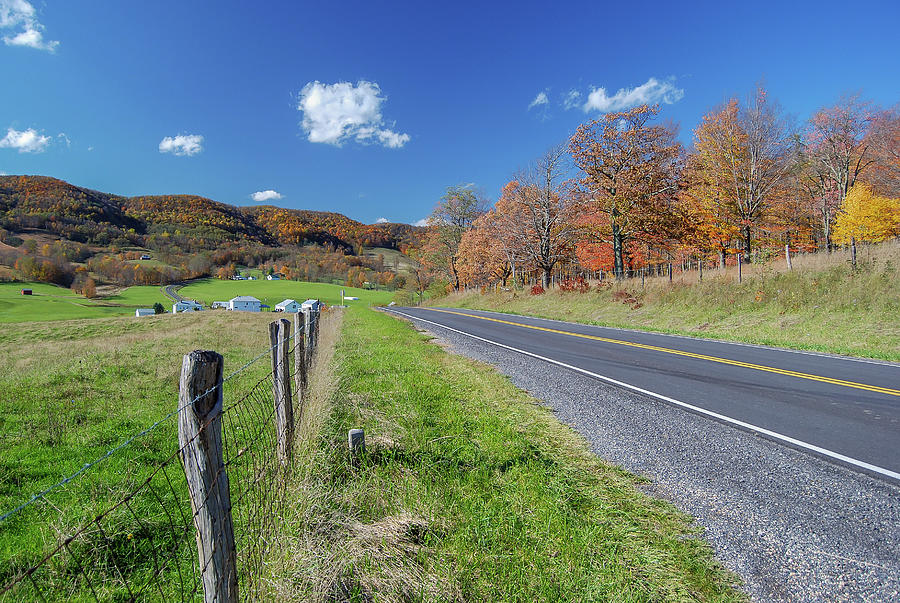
630	172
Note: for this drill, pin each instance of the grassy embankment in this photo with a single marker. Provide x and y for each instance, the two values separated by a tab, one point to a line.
469	490
822	304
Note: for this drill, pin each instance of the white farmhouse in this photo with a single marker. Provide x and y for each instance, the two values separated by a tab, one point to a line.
144	312
186	305
245	303
219	304
273	277
312	304
288	305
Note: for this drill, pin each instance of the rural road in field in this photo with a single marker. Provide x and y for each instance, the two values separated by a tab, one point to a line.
845	409
789	460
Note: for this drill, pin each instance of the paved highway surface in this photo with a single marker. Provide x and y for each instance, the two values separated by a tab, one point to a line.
845	409
788	460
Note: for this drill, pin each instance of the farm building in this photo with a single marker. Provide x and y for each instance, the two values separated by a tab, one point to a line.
186	305
273	277
288	305
26	292
245	303
219	304
144	312
312	304
145	257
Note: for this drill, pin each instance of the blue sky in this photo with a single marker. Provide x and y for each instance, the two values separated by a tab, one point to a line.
374	109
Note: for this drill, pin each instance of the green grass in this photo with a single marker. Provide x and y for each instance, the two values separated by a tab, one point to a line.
470	490
78	388
272	292
824	306
50	302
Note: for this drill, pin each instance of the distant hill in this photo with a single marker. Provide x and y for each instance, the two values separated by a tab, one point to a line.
78	214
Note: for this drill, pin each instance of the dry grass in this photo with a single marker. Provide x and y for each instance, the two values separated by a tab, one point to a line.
330	555
467	490
822	304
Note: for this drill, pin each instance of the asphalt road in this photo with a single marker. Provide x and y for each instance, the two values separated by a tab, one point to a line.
846	410
705	422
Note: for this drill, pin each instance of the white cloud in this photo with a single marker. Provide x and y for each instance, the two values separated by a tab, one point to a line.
15	14
26	141
260	196
334	113
422	222
540	99
183	144
652	91
572	99
382	221
66	138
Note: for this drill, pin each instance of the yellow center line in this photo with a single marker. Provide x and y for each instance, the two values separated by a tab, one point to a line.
758	367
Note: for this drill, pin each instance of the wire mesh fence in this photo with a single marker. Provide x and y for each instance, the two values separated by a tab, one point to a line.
193	509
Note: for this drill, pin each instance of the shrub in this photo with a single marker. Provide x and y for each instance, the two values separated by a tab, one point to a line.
536	289
158	308
575	284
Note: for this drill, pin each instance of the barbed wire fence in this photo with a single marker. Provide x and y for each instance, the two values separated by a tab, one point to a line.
192	521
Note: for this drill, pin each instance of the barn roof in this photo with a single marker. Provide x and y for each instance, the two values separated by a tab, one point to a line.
244	298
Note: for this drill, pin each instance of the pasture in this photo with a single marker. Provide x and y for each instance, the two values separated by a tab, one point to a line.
207	291
50	302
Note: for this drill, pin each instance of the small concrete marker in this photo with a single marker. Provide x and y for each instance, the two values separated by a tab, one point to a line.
356	438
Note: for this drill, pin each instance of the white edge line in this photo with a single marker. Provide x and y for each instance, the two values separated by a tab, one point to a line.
697	409
761	346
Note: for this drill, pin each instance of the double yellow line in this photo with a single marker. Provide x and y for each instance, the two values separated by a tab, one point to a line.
758	367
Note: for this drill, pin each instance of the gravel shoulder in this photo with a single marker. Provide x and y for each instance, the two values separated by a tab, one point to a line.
795	527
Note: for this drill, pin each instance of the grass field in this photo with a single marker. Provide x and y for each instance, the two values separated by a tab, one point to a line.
272	292
392	258
823	304
470	491
77	388
50	302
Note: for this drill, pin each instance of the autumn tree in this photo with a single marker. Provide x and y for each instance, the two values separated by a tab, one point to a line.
866	216
539	221
452	216
748	155
630	173
884	142
836	152
483	256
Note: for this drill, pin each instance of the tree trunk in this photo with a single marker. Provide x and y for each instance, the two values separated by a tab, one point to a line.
618	261
546	277
721	258
747	243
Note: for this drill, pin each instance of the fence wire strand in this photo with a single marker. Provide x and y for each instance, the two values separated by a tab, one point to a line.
143	543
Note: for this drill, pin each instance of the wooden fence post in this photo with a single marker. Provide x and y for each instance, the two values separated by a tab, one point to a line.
740	262
853	252
307	335
300	375
200	442
279	335
315	333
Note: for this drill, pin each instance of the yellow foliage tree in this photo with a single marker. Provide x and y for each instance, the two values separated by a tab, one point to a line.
867	217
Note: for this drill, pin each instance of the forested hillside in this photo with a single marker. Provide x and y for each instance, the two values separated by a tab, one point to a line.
54	231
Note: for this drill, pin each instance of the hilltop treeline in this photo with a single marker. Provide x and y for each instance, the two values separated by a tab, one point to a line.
191	236
186	222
